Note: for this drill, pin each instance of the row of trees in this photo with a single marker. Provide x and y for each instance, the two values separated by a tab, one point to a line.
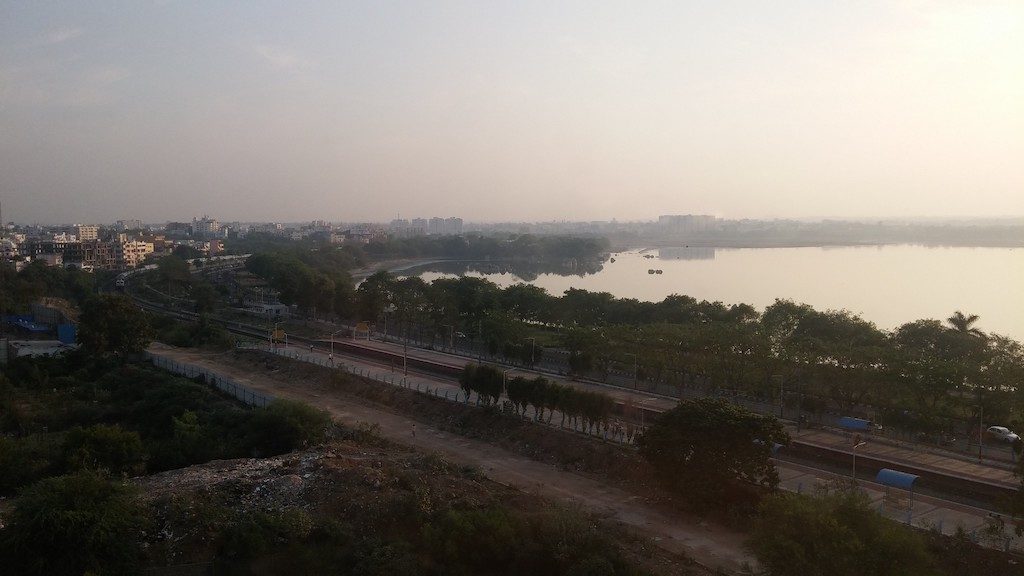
594	410
922	375
926	375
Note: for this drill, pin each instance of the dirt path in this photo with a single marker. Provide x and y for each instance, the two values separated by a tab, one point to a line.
710	545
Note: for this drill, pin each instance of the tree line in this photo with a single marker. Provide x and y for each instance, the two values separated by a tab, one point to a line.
926	375
592	410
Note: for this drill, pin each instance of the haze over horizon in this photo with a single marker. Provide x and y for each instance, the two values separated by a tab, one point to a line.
530	111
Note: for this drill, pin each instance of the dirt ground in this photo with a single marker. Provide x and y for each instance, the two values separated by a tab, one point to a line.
711	545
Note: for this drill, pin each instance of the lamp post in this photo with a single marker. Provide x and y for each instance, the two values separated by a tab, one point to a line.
635	369
855	446
451	335
504	381
405	351
981	429
533	351
333	334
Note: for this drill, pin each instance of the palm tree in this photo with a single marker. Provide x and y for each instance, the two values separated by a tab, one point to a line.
964	324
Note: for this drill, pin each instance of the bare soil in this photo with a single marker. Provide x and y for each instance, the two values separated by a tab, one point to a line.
710	544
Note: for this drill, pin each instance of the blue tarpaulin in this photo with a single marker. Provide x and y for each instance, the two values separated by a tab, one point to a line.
850	423
67	333
895	478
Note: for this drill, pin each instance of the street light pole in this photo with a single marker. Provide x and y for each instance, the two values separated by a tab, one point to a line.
333	334
504	381
533	351
635	369
854	472
981	429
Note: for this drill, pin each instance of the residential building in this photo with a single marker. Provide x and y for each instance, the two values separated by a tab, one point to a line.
131	253
87	233
178	229
436	226
206	227
128	225
418	227
453	226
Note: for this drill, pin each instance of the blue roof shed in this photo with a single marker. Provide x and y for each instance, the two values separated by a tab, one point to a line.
896	479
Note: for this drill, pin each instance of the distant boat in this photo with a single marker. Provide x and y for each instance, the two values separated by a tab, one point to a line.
651	271
657	271
613	259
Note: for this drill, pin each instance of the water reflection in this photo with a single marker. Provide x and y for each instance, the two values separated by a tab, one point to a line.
687	253
888	286
525	271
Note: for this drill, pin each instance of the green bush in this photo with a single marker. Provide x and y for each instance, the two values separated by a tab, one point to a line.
254	534
834	534
101	447
286	425
69	525
25	460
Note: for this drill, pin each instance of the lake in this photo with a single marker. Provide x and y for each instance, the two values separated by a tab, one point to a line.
888	285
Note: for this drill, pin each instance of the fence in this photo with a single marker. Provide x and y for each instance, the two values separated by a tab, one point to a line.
613	432
222	383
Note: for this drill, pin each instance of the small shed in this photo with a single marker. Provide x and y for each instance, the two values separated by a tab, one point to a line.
902	498
855	424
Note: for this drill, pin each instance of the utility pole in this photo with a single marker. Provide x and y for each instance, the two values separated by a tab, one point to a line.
857	444
981	429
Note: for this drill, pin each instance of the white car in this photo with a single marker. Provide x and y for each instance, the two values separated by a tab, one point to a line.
1003	434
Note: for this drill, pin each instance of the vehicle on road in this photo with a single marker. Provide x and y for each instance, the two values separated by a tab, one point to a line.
1003	434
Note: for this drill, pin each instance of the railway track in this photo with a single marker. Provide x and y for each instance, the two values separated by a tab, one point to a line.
966	491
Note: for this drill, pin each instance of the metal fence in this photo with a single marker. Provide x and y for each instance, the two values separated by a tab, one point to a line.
615	432
220	382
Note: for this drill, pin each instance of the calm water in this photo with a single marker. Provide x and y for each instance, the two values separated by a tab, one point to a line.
888	285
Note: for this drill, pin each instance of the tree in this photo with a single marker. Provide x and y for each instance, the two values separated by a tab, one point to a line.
172	271
70	525
287	425
113	323
965	324
103	447
835	533
704	446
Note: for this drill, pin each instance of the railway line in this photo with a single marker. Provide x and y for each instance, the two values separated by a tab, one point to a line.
635	408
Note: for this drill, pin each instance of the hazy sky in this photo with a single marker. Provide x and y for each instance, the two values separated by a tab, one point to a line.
510	110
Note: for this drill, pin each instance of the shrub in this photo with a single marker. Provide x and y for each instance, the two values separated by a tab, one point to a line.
24	460
69	525
101	447
834	534
286	425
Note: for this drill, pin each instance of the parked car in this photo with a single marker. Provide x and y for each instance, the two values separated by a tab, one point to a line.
1003	434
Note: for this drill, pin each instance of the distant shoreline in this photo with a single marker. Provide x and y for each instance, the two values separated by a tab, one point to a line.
798	244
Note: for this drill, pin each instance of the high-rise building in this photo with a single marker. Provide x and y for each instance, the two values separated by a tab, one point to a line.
436	226
128	224
453	226
205	227
87	233
418	227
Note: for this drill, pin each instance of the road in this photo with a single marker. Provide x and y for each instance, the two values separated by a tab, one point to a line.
711	545
503	466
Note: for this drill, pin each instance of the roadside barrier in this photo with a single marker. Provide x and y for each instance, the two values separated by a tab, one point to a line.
614	432
222	383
